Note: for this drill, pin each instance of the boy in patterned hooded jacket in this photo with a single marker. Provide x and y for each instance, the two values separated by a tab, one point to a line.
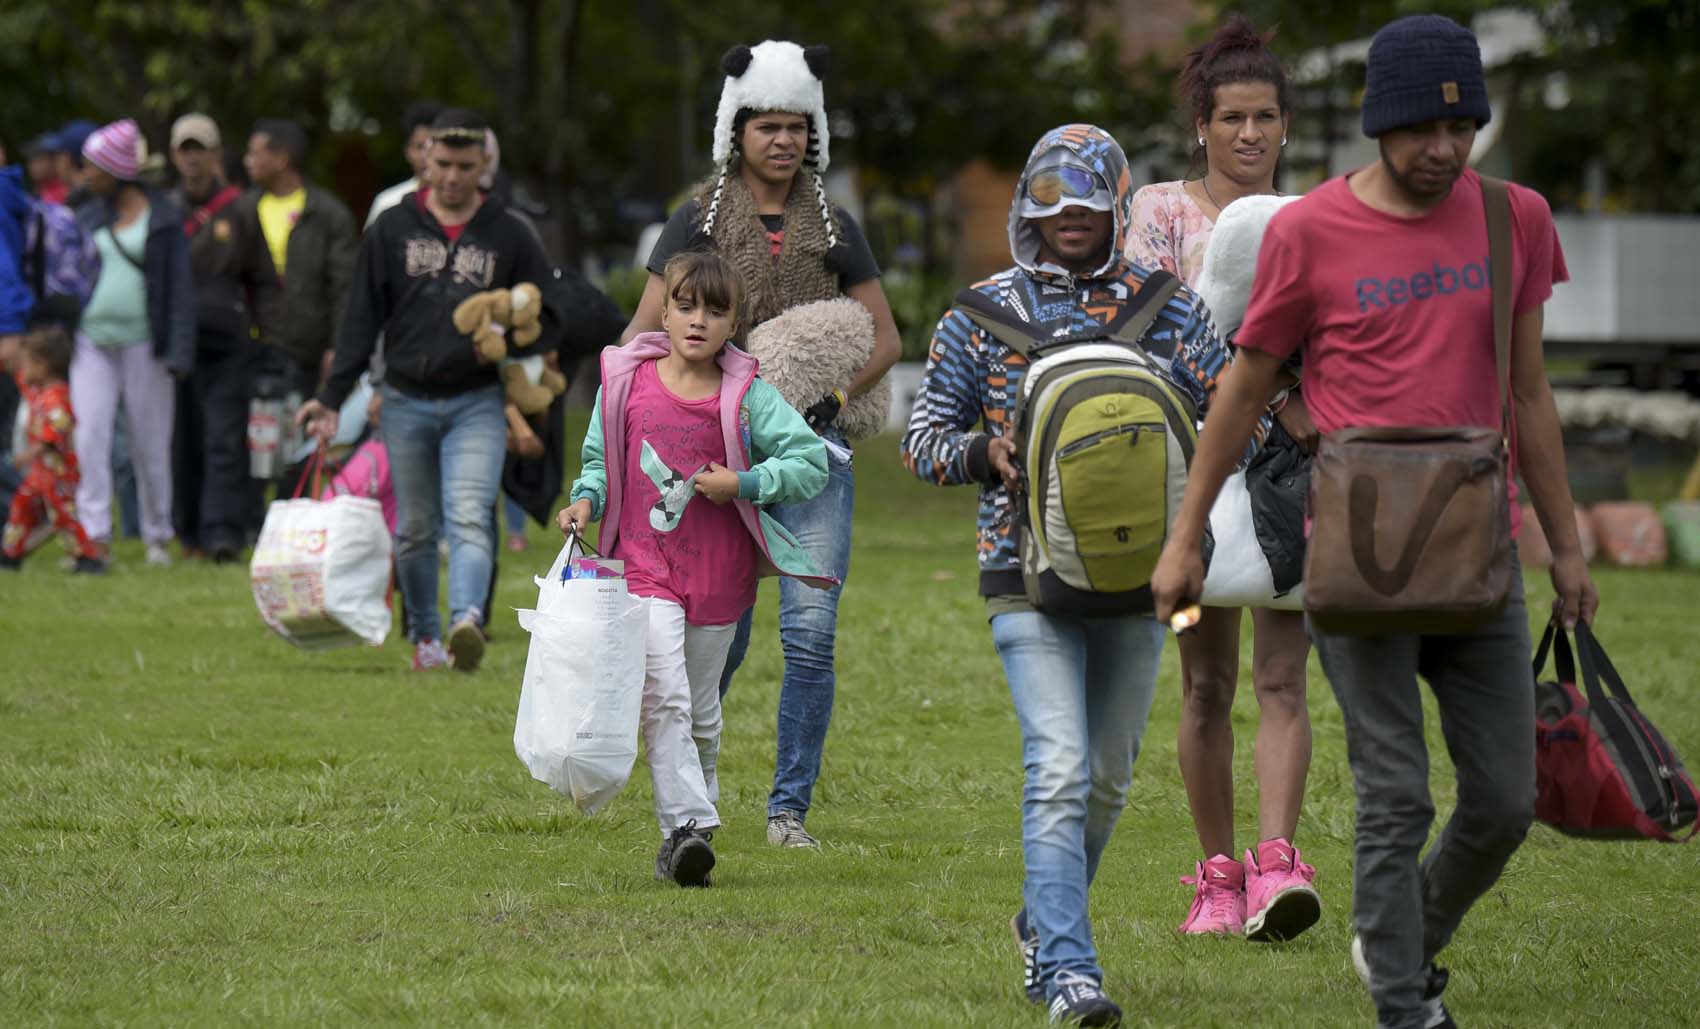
1082	686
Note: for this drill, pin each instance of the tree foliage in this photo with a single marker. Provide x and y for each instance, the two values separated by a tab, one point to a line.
1615	92
604	110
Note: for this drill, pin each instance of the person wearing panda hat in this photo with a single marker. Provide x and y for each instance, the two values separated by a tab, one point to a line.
765	209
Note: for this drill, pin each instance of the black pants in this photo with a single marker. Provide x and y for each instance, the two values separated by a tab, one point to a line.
214	497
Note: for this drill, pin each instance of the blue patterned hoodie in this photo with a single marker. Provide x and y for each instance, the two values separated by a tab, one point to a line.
969	391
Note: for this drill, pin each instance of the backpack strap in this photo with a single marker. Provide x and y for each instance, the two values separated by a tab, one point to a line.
1127	326
208	211
1002	323
1131	322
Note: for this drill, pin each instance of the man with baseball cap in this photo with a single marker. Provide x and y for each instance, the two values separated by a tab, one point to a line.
1381	278
209	453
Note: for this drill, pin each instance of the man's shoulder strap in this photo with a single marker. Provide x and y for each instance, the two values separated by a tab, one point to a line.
1496	200
1126	326
1005	324
209	210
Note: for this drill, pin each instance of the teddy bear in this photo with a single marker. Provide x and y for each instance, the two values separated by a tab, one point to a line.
497	317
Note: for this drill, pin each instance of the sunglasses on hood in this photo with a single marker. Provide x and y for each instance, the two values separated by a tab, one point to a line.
1053	185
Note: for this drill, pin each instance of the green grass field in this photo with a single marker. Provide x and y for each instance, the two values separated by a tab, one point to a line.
204	826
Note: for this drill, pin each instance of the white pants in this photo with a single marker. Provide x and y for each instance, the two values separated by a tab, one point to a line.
100	378
681	714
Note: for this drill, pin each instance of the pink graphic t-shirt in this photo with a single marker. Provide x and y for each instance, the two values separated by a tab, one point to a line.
679	546
1394	316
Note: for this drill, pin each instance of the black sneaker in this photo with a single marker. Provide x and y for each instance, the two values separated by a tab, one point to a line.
466	643
11	564
89	566
1027	941
1081	1001
1435	1015
685	856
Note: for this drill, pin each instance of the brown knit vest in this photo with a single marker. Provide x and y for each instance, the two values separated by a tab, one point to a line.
799	275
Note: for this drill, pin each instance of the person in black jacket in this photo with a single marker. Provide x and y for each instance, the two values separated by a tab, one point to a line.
300	250
443	421
210	459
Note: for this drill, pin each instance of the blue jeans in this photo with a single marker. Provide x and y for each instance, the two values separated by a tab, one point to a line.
515	515
1082	689
445	465
808	630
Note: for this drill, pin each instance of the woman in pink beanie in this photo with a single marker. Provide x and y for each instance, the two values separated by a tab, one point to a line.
137	331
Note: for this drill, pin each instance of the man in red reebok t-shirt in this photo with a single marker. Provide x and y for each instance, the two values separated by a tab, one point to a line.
1381	279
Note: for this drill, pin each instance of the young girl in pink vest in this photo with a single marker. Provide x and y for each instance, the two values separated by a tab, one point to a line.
684	449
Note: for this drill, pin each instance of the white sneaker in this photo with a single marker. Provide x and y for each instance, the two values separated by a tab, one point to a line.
158	556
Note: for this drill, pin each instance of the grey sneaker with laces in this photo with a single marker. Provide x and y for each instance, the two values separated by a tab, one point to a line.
786	830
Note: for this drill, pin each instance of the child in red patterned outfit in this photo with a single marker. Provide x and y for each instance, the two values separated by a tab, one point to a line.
47	500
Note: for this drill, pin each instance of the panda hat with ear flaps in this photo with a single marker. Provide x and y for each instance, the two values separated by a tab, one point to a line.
774	75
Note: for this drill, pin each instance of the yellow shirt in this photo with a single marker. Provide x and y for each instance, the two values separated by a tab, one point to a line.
278	215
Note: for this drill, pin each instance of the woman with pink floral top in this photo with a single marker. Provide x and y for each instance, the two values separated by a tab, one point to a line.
1237	94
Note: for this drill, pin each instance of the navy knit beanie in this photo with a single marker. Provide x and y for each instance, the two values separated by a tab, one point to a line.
1423	68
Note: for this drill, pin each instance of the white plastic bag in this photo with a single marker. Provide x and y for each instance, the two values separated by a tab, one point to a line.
582	697
321	572
1239	575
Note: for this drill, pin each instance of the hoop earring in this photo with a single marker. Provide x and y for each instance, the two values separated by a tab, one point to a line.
1201	141
1283	140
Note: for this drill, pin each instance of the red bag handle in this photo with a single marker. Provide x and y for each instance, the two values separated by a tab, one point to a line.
315	467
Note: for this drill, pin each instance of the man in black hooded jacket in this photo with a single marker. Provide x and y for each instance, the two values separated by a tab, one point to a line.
443	421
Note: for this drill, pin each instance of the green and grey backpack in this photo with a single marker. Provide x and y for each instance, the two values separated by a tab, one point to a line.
1106	437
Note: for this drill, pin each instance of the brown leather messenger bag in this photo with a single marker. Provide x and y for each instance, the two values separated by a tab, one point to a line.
1411	526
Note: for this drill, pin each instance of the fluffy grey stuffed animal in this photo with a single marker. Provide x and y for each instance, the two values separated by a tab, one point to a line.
1230	260
814	348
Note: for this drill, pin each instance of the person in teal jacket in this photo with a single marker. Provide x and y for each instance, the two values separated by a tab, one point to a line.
685	447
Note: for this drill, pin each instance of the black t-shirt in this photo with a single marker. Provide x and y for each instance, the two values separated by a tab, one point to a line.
860	267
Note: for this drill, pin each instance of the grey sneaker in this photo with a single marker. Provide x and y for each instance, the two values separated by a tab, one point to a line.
686	856
786	830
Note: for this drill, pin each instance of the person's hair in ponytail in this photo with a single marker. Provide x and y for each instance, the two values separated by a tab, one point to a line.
1234	53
